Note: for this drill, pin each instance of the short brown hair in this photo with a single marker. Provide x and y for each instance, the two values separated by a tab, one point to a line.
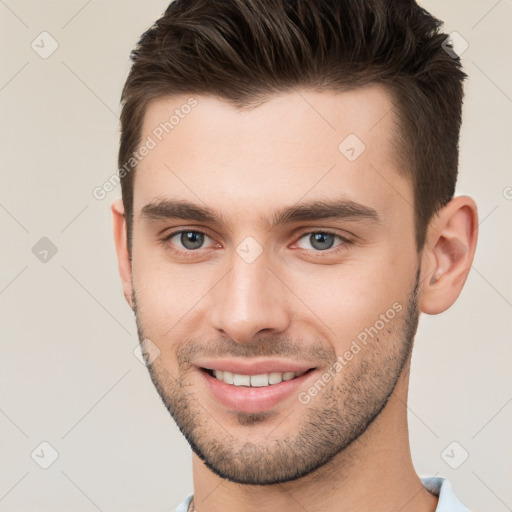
243	51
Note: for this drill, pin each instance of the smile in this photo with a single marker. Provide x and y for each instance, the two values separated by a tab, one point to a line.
254	393
255	381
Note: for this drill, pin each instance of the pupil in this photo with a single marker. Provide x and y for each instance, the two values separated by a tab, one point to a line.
191	239
321	238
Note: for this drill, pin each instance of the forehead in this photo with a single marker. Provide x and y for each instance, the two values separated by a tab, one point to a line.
298	144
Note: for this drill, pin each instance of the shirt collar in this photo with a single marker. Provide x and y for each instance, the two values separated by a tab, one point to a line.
441	487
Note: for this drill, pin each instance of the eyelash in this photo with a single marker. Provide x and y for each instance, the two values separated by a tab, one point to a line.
191	253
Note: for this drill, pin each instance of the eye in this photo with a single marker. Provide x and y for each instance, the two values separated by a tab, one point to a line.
186	240
189	242
322	240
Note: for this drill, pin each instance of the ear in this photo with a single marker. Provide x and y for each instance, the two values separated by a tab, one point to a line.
448	254
123	256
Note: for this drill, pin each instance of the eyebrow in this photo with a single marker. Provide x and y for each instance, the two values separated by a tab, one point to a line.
343	209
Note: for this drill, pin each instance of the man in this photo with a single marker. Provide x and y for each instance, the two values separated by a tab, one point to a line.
288	172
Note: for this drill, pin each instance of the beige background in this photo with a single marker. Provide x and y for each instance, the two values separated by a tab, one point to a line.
68	373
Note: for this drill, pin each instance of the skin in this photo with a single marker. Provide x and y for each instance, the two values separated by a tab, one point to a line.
294	300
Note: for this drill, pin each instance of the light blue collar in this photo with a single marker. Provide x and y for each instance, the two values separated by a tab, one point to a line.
448	502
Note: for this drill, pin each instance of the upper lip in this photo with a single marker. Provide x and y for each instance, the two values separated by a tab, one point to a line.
254	367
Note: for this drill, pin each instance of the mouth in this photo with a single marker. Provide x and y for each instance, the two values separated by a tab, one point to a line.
256	392
255	381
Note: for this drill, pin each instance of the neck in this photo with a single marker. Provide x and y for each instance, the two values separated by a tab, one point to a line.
374	473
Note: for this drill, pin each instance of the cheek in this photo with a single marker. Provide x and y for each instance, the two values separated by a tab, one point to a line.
345	300
169	296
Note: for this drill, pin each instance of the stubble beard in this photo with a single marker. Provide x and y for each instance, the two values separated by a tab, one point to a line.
327	425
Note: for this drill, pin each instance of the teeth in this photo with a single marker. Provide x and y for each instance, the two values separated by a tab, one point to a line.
255	381
275	377
227	377
241	380
258	381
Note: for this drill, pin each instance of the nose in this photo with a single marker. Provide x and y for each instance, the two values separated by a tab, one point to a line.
249	300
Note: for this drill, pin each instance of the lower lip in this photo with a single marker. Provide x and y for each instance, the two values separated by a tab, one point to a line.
253	399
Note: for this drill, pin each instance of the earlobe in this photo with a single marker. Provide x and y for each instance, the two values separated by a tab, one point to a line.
448	254
123	256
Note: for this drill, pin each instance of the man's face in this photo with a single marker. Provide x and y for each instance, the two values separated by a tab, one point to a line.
258	293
